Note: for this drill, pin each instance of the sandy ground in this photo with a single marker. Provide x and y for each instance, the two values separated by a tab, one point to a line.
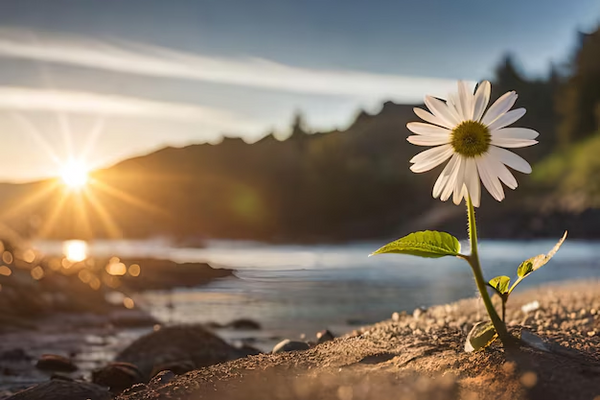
420	356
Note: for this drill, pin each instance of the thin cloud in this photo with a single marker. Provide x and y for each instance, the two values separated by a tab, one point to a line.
60	101
142	59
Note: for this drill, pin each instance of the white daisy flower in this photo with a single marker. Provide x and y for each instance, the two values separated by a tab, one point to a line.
474	140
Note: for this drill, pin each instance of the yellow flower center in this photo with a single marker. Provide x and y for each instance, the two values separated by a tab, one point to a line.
471	138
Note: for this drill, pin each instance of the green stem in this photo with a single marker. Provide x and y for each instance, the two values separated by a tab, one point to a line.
473	260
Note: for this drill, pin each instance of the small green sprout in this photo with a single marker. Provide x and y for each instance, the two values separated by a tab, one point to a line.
501	284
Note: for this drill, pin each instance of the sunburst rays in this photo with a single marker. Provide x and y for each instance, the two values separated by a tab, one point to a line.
71	200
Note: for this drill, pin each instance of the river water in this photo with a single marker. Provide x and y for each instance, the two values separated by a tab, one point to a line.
300	289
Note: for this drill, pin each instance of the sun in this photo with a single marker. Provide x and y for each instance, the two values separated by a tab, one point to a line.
74	174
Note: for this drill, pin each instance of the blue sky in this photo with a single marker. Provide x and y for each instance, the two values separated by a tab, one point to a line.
106	80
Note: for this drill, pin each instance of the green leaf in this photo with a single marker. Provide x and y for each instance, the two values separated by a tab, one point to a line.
481	336
431	244
525	268
500	284
535	263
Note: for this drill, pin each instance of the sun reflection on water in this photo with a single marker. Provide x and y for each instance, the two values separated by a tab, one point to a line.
75	250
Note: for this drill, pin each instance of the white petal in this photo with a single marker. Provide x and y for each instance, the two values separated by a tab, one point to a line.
442	180
511	159
466	100
472	181
454	107
460	181
429	140
441	110
516	133
421	128
431	158
489	178
482	98
425	116
503	173
451	183
500	106
511	142
506	119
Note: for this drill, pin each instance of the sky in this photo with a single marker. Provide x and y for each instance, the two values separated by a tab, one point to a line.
106	80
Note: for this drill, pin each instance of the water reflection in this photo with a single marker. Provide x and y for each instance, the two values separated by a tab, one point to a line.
75	250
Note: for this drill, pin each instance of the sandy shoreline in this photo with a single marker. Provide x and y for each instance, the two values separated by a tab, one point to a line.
421	357
411	356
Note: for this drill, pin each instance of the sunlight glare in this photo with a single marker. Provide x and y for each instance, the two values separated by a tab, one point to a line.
75	250
74	174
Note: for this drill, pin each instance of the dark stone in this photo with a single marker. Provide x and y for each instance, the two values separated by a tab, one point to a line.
162	378
62	377
244	324
324	336
15	355
63	390
290	345
8	372
55	363
117	376
377	358
356	322
175	343
213	325
176	367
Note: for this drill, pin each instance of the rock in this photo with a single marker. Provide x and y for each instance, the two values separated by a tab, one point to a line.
62	377
8	371
162	378
244	324
290	345
418	312
117	376
356	322
63	390
175	343
55	363
15	355
176	367
214	325
324	336
529	307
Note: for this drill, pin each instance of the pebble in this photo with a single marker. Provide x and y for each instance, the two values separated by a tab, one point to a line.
244	324
15	355
324	336
290	345
117	376
176	367
418	312
529	379
591	333
53	362
529	307
162	378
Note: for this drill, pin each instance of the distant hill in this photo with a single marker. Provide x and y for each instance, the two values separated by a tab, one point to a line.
318	185
329	186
